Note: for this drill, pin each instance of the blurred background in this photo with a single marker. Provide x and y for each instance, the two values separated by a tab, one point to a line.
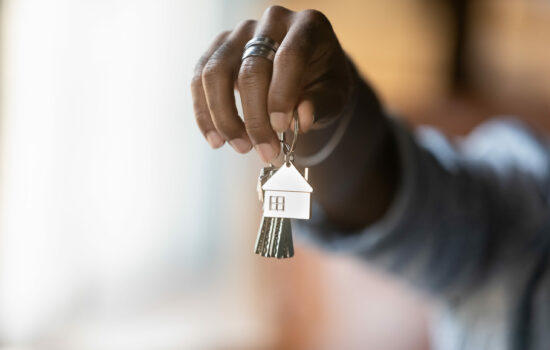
120	228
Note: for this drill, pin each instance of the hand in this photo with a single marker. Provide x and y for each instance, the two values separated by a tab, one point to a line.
310	73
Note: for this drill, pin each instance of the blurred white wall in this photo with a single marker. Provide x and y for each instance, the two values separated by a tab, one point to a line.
119	228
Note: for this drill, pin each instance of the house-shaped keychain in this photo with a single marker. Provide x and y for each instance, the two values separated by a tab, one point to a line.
287	194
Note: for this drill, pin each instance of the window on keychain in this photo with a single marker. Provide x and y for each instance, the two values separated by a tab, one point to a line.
277	203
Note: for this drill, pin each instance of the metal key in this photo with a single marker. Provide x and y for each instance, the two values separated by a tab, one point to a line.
288	197
275	234
275	238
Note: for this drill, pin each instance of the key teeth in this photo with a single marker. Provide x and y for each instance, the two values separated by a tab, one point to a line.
275	238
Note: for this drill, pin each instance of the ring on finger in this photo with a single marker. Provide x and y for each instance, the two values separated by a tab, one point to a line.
259	51
260	46
262	40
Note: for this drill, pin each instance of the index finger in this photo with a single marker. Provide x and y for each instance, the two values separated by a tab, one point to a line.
200	106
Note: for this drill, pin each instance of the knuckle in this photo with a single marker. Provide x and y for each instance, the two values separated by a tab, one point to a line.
212	71
220	37
290	54
248	74
314	16
255	127
227	128
202	117
206	56
279	100
276	11
200	65
310	31
246	24
315	28
196	81
224	50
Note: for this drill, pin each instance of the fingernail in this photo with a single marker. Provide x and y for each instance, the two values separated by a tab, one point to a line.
266	152
214	139
241	145
279	121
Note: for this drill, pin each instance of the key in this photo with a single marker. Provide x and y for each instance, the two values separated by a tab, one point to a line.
275	235
285	194
275	238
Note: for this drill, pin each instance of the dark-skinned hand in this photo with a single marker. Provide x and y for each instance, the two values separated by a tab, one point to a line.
310	74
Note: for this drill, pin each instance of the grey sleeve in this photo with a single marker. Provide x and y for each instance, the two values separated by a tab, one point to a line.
462	213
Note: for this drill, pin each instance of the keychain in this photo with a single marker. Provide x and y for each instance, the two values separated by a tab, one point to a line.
285	194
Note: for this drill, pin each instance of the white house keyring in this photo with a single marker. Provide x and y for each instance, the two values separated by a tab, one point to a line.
286	195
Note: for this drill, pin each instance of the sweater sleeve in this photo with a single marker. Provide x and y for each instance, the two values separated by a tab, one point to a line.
462	211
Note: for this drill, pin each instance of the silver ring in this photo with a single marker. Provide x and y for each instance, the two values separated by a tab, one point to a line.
262	40
259	51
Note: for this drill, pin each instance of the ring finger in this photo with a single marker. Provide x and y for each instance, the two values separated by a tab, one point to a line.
253	84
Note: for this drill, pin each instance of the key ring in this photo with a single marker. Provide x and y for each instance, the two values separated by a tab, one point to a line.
288	150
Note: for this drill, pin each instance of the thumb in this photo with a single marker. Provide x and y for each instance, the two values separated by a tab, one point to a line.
306	116
321	107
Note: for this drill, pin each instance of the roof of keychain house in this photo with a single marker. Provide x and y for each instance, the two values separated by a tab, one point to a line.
287	194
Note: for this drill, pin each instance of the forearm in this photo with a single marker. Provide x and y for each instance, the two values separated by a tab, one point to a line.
356	183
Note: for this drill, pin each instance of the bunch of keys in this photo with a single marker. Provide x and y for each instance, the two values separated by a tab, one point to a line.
285	194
